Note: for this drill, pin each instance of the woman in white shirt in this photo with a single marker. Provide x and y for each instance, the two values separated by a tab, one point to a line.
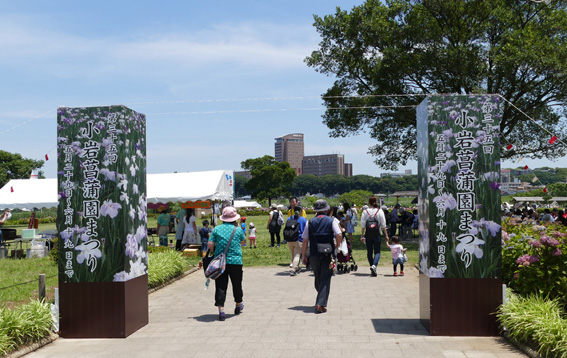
190	230
372	221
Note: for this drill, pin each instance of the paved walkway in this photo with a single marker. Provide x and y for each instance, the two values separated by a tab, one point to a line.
367	317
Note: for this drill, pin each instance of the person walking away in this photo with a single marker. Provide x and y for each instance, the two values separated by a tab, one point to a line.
163	225
397	254
233	271
190	230
321	233
204	234
252	235
275	225
394	218
243	227
179	228
292	233
406	219
372	221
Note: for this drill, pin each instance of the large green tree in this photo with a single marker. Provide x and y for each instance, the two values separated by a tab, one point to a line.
516	48
14	166
270	179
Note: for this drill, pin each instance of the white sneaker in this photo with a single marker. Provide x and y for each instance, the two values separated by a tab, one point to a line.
291	265
373	271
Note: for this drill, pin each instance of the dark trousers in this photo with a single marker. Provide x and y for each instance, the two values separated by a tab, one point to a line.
221	284
323	274
178	245
393	228
373	250
277	234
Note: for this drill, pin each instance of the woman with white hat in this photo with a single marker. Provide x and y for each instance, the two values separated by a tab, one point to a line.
219	240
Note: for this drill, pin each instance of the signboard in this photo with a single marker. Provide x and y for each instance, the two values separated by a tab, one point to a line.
199	204
459	197
102	194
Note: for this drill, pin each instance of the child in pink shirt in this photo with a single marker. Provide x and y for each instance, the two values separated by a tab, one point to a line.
397	254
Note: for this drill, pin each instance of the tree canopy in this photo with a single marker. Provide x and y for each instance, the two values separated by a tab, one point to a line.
270	179
14	166
419	47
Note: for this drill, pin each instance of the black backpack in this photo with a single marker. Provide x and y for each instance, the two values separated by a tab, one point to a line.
372	226
291	230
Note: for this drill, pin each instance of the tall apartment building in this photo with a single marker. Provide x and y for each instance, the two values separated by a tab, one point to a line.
289	148
326	164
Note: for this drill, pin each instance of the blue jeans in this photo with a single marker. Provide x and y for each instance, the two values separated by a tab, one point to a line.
373	250
397	261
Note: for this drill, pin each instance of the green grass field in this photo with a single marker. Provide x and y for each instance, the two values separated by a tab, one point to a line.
14	271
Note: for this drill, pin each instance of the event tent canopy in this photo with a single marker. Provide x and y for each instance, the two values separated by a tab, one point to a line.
161	188
246	204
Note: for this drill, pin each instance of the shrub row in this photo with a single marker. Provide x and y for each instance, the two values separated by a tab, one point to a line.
24	325
534	259
163	266
536	321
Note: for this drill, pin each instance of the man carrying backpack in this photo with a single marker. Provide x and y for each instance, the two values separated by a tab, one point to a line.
373	221
321	232
275	222
292	234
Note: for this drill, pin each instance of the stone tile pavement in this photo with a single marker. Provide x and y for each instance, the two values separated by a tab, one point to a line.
367	317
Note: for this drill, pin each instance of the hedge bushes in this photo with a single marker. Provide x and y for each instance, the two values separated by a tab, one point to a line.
536	321
26	324
163	266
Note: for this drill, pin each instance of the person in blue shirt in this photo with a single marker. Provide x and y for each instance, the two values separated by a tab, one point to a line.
295	246
243	227
204	234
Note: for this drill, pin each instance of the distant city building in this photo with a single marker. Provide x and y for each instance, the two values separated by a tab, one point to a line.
326	164
348	169
396	175
505	175
289	148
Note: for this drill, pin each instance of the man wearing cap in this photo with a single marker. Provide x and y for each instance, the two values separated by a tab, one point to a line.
321	233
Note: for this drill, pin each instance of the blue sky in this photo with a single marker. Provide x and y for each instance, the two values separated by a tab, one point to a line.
217	80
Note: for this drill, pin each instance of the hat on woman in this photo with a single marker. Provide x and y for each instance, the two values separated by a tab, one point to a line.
274	206
229	214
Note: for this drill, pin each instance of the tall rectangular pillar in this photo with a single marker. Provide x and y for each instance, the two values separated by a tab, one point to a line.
103	284
459	214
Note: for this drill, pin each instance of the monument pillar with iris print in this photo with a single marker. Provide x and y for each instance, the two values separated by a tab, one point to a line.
459	213
103	282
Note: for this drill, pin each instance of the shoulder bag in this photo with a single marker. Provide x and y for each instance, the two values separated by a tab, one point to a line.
217	265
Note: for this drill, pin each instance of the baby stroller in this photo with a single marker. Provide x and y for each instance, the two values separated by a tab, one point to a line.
346	263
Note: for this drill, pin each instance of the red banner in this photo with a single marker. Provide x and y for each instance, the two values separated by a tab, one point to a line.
199	204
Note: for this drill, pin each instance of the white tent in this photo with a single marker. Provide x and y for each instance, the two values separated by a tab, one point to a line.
246	204
174	187
29	194
161	188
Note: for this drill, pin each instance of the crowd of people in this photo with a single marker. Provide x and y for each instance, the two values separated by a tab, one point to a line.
530	214
313	242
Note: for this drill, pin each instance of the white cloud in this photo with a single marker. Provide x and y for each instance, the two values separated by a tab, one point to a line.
249	45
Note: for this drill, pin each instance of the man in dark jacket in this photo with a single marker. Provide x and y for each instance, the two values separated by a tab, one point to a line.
321	233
